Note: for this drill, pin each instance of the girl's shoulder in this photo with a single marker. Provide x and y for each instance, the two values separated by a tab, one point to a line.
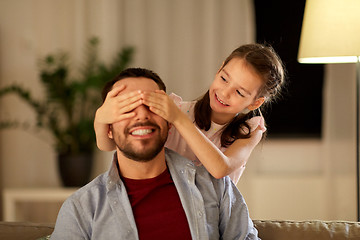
185	106
176	98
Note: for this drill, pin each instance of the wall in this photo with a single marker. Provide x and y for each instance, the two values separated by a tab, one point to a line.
310	179
184	41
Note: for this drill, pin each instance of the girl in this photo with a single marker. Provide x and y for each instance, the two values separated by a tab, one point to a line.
219	130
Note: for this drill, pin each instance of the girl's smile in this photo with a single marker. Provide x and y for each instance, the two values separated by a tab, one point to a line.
220	101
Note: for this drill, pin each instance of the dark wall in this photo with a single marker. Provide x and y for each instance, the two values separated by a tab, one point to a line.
299	112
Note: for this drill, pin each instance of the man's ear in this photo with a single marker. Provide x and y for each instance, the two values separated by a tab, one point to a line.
258	102
109	133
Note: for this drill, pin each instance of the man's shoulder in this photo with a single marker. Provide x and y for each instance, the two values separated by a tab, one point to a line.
177	159
171	154
181	162
96	186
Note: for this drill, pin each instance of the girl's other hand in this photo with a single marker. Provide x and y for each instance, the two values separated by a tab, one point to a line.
117	106
257	123
161	104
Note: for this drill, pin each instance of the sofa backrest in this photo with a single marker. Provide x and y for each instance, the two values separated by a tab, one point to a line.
268	230
307	230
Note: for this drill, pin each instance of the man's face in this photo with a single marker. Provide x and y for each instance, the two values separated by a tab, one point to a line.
142	137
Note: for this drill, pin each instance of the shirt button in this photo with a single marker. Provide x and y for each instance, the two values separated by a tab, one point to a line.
200	214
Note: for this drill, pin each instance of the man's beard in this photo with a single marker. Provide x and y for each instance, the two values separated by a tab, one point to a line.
154	146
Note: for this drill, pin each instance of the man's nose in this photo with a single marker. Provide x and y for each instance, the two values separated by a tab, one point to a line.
142	112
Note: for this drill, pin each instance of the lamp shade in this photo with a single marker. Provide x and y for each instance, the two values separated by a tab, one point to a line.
330	32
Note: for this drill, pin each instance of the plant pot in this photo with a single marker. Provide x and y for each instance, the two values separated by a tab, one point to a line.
75	170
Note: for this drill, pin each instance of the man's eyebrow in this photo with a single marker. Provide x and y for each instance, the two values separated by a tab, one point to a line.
228	75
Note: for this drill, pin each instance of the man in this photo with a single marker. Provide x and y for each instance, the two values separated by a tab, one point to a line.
151	192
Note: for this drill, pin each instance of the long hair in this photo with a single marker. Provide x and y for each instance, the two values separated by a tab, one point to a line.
269	66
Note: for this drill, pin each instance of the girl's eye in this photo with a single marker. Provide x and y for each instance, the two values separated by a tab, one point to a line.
238	92
223	79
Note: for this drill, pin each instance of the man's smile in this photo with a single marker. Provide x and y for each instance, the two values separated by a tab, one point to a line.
141	131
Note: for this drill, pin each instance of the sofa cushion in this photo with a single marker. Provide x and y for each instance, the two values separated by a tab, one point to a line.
24	230
317	230
268	230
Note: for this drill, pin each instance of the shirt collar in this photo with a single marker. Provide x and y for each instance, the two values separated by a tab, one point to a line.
114	179
113	174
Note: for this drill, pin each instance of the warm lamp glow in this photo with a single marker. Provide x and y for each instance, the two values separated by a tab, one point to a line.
340	59
330	32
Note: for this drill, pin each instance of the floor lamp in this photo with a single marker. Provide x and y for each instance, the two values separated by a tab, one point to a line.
331	34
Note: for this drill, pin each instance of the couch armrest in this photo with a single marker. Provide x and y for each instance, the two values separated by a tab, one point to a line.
300	230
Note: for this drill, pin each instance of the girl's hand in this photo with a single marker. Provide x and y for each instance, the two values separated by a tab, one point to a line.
117	107
161	104
257	123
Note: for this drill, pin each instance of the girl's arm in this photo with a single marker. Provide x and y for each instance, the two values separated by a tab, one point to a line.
218	164
115	108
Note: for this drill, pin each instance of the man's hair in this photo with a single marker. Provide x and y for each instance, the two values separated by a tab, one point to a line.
133	73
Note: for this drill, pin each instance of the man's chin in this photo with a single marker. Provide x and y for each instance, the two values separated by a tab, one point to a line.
141	156
142	150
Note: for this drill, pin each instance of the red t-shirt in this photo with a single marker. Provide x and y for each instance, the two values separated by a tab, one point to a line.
157	208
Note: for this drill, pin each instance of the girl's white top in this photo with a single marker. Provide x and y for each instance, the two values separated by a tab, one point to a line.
177	143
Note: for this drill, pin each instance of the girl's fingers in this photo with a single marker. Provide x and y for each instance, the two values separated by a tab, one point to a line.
159	112
120	101
129	96
157	101
125	112
150	103
253	123
129	107
160	91
160	103
257	123
153	98
262	124
115	91
125	116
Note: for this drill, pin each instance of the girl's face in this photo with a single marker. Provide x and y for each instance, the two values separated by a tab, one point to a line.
234	88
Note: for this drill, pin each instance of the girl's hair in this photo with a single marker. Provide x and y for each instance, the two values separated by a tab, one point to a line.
264	60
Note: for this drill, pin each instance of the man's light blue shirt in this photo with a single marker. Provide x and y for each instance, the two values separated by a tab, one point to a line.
214	208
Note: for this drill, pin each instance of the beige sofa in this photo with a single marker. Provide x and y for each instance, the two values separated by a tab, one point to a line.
268	230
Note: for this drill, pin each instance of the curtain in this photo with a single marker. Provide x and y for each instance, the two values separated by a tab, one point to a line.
184	41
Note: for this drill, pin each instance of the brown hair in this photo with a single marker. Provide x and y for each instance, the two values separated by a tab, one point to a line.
270	68
133	72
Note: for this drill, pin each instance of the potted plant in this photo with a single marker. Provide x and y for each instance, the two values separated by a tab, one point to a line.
69	107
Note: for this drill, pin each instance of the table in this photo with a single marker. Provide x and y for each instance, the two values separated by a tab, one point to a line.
15	196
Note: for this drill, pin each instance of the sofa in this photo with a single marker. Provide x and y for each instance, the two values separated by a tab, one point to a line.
268	230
